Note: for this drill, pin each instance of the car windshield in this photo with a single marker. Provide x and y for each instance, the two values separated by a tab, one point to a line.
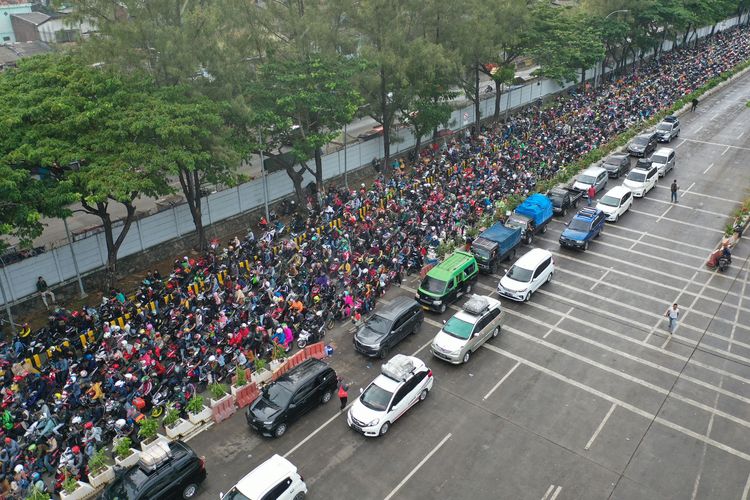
664	126
481	252
586	179
612	163
579	225
379	324
433	285
659	159
610	201
234	494
641	140
519	274
375	398
458	328
636	176
278	395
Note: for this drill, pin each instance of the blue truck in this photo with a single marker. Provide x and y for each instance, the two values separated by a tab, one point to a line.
587	224
531	216
494	245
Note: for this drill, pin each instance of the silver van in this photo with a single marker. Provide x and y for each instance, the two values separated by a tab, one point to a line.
663	159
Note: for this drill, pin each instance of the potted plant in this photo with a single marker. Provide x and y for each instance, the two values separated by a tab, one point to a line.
261	374
75	490
197	412
174	425
125	456
218	393
147	431
100	473
36	494
242	392
278	356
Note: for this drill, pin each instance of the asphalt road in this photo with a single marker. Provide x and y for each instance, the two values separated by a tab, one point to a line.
583	395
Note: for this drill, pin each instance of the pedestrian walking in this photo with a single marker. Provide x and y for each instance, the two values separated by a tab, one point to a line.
343	394
673	313
694	104
591	193
45	292
674	187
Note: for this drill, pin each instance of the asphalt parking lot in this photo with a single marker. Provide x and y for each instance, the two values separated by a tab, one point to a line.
584	394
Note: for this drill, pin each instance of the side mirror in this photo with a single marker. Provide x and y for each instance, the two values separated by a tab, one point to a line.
567	223
221	495
361	390
444	321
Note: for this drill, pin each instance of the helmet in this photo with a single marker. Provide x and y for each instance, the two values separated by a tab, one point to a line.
76	420
36	477
211	358
279	330
76	449
8	440
218	351
120	423
244	325
83	374
88	425
19	468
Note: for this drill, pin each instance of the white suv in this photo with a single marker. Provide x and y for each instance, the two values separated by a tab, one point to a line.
615	202
531	271
402	383
275	478
480	319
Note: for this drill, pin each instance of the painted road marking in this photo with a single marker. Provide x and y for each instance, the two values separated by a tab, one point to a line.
706	196
419	466
709	168
718	144
601	426
505	377
562	318
725	151
552	492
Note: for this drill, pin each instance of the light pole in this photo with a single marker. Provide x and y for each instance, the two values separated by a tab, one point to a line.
6	301
73	255
346	179
596	73
263	174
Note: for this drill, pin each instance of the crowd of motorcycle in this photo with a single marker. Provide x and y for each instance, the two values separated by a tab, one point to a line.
261	295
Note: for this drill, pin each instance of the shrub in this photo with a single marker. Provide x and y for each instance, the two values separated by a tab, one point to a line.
260	364
36	494
195	404
171	417
148	428
241	376
217	390
122	448
70	484
98	461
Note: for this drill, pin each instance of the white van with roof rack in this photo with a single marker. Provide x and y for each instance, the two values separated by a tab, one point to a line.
480	319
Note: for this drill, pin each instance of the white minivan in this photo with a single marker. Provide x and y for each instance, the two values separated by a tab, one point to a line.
529	272
641	180
275	478
663	159
615	202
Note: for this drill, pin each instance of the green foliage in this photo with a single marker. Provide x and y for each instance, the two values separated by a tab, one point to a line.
148	428
278	351
195	404
98	461
259	364
171	416
122	448
217	390
70	484
241	378
36	494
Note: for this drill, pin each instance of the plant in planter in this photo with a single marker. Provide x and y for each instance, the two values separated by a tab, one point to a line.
147	432
241	378
69	484
123	449
36	494
99	472
261	373
260	364
171	417
197	412
217	390
278	352
174	425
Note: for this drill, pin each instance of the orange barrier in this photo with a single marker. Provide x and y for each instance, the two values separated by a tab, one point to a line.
317	350
246	394
223	410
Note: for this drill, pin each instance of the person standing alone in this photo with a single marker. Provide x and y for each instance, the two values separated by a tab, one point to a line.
591	193
343	395
44	291
673	313
674	187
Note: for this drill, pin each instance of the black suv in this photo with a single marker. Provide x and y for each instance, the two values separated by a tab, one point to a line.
388	327
298	391
164	471
643	145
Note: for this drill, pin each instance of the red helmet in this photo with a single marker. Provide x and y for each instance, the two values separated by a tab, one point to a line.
88	425
218	351
75	449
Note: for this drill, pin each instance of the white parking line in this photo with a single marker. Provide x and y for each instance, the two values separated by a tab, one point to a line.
697	226
419	466
718	144
741	134
725	151
705	195
550	490
623	404
709	168
658	247
695	131
601	426
703	454
689	310
746	489
320	428
681	143
562	318
682	205
600	279
502	380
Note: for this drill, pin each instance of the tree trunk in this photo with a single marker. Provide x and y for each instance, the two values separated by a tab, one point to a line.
190	183
297	179
319	169
386	123
113	245
685	36
583	75
477	100
498	95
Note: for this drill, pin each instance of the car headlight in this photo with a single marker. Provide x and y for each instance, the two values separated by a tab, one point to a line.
437	302
455	353
373	422
268	422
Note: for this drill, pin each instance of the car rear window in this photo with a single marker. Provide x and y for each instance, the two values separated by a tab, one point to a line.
658	159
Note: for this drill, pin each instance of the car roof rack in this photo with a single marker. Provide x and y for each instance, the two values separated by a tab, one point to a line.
398	368
155	455
587	212
476	305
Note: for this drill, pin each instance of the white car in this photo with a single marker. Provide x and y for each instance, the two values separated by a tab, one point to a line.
402	383
615	202
466	331
592	176
529	272
640	180
663	159
275	478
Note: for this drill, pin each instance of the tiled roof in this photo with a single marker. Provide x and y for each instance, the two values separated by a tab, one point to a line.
35	18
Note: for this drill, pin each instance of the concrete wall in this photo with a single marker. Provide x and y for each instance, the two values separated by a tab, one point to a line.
18	280
6	28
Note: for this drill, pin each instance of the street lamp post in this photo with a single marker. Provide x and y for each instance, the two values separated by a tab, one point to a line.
346	170
597	73
264	174
73	255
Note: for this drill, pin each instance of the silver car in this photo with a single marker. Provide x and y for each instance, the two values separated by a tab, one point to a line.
481	318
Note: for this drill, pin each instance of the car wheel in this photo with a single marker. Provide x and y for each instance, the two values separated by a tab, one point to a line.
493	268
600	232
549	277
617	217
544	228
326	397
383	353
466	357
564	212
529	239
384	428
496	332
423	394
299	496
280	430
442	308
468	288
189	490
527	297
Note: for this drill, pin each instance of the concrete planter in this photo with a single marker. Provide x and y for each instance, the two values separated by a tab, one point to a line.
154	440
199	418
261	377
217	402
276	364
180	428
128	461
105	476
84	490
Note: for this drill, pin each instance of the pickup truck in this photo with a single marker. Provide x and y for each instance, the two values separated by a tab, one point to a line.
532	216
494	245
564	198
587	224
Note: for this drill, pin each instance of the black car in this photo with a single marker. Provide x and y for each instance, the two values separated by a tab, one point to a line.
164	471
388	327
644	163
298	391
616	165
643	145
